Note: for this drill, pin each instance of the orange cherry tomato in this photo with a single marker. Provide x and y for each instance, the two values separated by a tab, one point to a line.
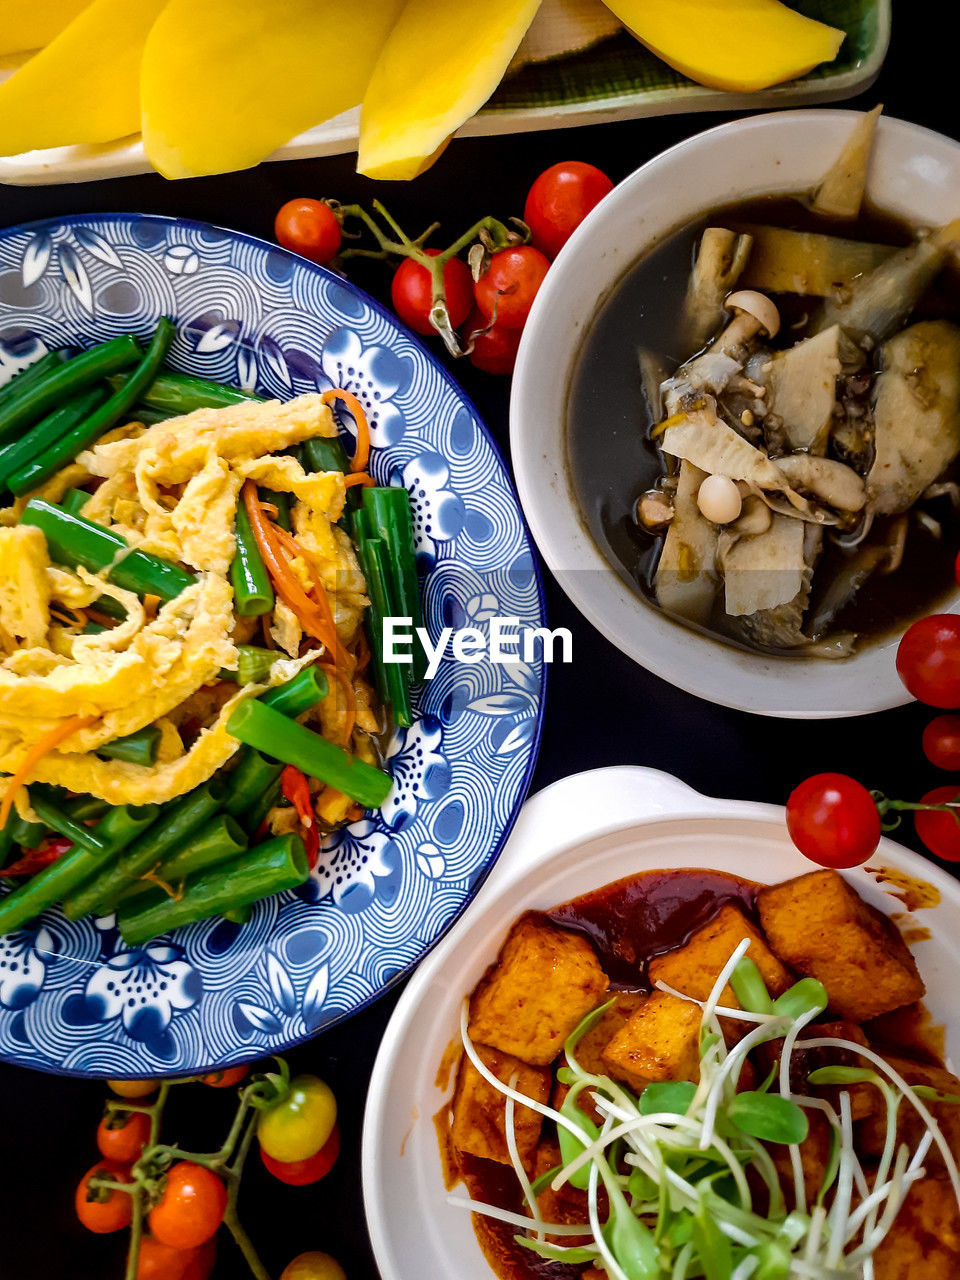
201	1261
300	1173
225	1077
101	1210
134	1088
122	1135
159	1262
309	227
191	1207
314	1266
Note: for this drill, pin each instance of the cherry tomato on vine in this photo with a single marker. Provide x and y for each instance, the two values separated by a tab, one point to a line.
494	348
296	1127
560	199
122	1135
201	1261
928	660
191	1207
941	742
158	1261
101	1210
301	1173
313	1266
832	819
226	1077
310	228
411	292
940	830
507	288
133	1088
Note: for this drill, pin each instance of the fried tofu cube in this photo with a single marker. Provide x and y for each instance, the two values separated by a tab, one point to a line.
568	1205
661	1041
589	1051
694	967
910	1127
865	1100
544	982
821	927
814	1158
479	1110
924	1241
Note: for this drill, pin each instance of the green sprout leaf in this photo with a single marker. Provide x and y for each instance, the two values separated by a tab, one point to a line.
801	999
713	1248
843	1075
556	1252
570	1146
673	1096
750	988
769	1117
929	1094
630	1242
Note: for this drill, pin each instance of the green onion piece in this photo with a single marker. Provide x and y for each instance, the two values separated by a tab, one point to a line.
47	434
175	823
392	520
115	830
769	1117
30	374
267	730
90	428
259	873
72	541
218	840
173	394
750	988
57	819
252	590
66	381
135	748
802	998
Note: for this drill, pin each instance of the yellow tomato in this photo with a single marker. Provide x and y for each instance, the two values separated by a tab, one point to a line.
133	1088
296	1127
314	1266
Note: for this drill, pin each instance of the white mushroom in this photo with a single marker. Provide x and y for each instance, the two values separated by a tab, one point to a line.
719	499
757	305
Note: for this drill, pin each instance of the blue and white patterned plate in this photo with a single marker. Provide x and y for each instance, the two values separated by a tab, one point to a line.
73	998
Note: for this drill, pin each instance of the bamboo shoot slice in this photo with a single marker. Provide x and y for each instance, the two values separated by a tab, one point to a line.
227	82
439	66
27	24
808	262
840	194
84	86
741	45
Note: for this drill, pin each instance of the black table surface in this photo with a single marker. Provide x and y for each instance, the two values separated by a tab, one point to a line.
601	710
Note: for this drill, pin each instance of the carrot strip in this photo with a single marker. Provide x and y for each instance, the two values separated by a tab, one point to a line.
359	477
347	686
318	597
43	746
362	453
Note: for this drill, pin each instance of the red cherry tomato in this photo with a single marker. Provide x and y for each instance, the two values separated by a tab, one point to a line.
560	199
300	1173
201	1261
940	830
956	567
310	228
495	350
126	1141
100	1210
159	1262
224	1078
411	291
941	742
507	288
191	1207
928	660
833	820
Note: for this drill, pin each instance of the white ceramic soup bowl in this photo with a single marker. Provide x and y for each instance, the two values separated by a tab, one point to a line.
578	835
914	174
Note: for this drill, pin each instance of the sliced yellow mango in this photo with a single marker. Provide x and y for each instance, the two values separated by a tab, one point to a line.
226	82
85	85
440	65
740	45
31	24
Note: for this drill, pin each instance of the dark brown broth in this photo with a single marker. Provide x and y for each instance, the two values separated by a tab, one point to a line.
612	462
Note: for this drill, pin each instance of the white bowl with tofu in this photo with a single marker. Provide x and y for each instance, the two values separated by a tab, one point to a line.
573	838
914	176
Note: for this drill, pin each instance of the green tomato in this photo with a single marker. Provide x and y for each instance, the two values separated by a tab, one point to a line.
299	1124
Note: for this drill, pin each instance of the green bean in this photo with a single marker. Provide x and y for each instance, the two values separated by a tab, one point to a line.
381	588
256	815
252	591
83	807
72	540
92	629
305	690
74	500
174	394
254	774
325	453
218	840
253	664
260	872
26	834
28	375
282	502
115	830
392	521
48	811
266	730
238	915
6	843
65	382
176	822
90	428
54	427
135	748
